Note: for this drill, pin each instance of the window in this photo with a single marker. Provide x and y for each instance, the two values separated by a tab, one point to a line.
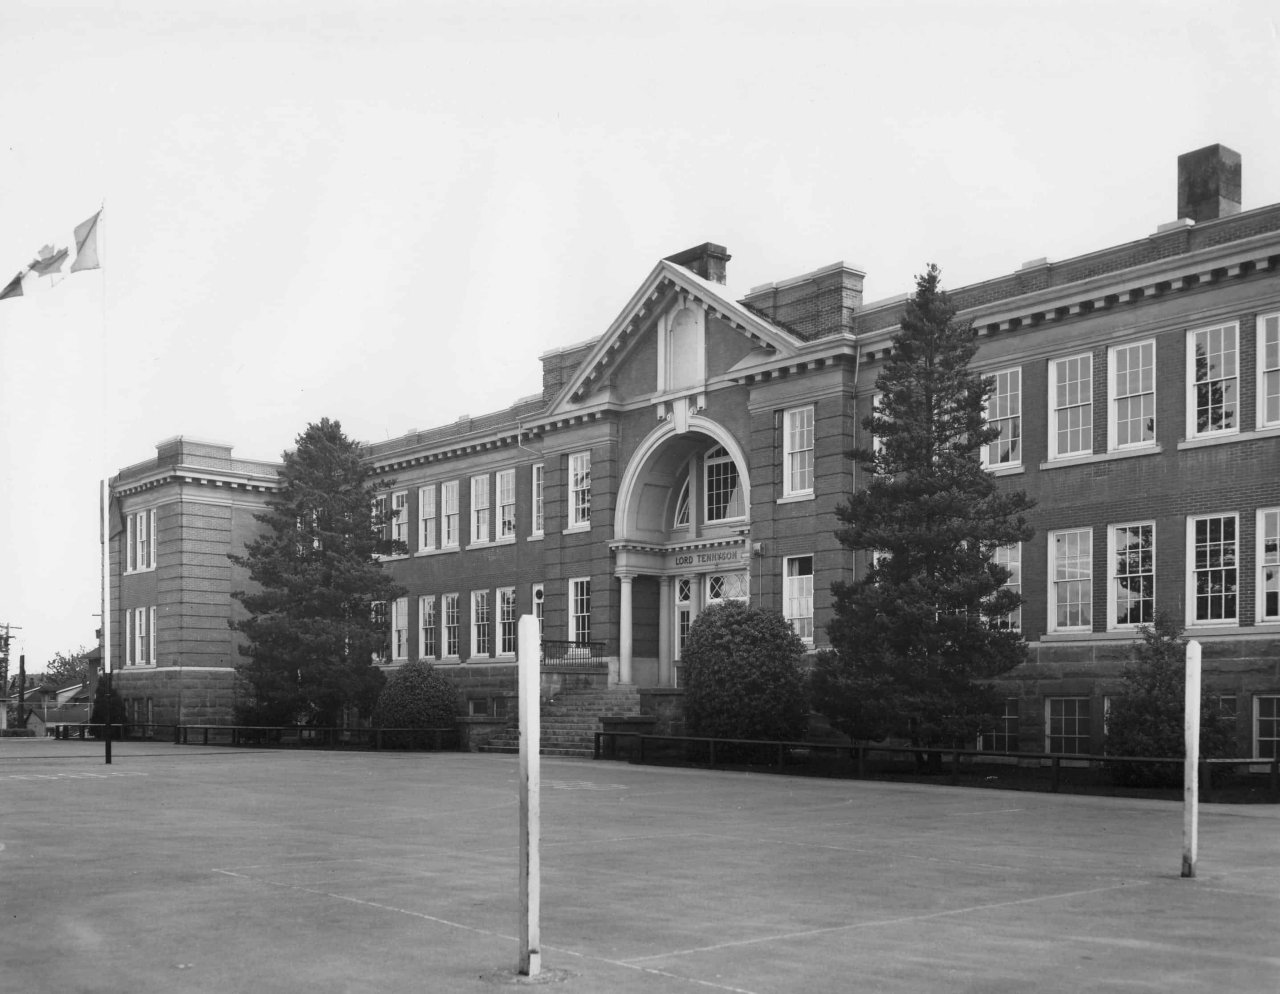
536	594
1004	737
1266	726
1010	557
684	612
797	594
1213	381
426	518
728	587
1132	555
1214	576
428	647
1067	725
400	628
797	451
724	489
537	477
1269	564
400	521
1269	370
508	622
139	636
506	484
451	625
580	610
481	624
140	541
580	490
1071	580
378	616
380	516
681	519
1132	407
479	510
1004	411
1071	406
449	515
877	441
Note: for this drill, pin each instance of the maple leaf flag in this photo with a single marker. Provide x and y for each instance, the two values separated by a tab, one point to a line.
51	258
86	236
13	288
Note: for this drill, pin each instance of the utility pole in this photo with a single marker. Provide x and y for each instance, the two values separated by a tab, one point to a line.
5	637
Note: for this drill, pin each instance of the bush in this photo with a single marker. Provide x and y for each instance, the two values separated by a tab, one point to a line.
415	696
1146	718
742	674
102	713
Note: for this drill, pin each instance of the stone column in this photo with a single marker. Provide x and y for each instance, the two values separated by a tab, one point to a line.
624	631
665	609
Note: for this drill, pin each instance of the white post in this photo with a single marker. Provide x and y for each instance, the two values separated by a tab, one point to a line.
530	783
1191	763
624	631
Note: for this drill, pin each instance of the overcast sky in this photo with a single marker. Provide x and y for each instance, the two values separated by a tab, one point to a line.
384	212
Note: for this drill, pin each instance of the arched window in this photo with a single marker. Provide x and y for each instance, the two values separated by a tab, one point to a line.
723	487
682	506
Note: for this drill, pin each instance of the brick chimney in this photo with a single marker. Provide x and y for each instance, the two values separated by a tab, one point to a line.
708	260
1209	183
813	305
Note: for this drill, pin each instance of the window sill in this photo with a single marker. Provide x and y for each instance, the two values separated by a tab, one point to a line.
576	529
1203	628
1096	457
535	538
436	552
505	540
1225	438
795	498
1005	470
480	545
392	559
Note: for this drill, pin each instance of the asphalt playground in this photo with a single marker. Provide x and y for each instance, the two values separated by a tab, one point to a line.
186	868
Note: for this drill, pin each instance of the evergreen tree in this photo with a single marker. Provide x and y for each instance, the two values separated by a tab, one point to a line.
315	620
917	638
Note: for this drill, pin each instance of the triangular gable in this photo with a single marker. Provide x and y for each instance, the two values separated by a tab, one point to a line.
666	281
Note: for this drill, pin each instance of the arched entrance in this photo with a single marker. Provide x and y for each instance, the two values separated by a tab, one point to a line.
683	517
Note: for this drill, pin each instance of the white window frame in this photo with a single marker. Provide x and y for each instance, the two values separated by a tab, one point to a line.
1233	329
579	491
480	503
505	485
1267	558
428	633
1012	415
1114	576
798	435
877	440
1115	397
580	620
537	521
144	634
378	515
1054	580
481	624
450	522
451	633
400	628
140	541
1083	400
400	519
508	622
1268	365
1010	557
427	518
537	595
1255	731
1193	572
797	595
709	462
1075	718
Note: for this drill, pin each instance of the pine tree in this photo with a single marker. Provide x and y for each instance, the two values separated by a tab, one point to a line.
315	622
917	638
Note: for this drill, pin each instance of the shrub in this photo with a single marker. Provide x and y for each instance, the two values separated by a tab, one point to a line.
116	714
1146	717
742	674
415	696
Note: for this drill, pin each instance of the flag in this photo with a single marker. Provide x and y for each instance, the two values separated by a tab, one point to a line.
13	288
49	260
86	236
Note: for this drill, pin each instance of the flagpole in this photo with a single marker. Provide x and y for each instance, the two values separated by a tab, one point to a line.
105	494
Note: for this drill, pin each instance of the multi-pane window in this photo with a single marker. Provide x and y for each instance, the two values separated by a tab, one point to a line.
684	612
797	594
140	541
139	636
508	622
1269	564
451	634
426	518
1071	572
481	624
1071	406
400	628
539	602
1004	411
428	647
1067	725
1269	371
479	509
1214	569
1132	410
877	441
797	451
580	610
537	478
1213	376
1133	575
449	515
381	626
506	484
728	587
681	518
1004	737
400	519
380	516
1266	726
1010	557
723	487
580	489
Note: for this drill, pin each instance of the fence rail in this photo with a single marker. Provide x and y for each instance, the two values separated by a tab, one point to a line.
295	736
558	654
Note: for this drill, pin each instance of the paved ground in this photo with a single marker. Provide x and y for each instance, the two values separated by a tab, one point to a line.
207	869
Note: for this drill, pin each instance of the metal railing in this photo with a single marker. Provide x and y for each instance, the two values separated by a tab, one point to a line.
560	654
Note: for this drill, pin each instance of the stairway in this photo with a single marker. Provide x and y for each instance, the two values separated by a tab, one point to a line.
570	721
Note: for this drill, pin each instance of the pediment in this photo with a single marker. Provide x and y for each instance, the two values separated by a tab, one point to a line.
677	332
